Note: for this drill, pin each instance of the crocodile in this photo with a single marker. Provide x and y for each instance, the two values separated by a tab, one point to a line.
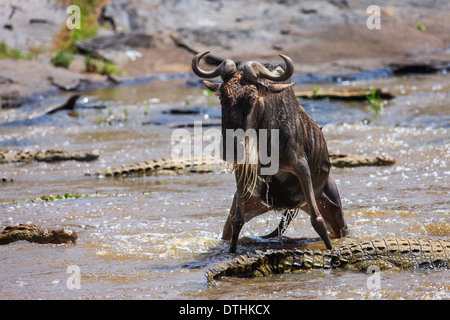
384	253
37	234
167	166
10	156
205	164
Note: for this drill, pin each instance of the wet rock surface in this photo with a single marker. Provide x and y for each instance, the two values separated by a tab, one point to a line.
37	234
148	37
29	79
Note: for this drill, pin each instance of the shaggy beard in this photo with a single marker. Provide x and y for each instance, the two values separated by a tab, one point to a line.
248	168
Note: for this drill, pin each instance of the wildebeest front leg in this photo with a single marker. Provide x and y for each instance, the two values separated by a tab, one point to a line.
227	228
253	207
237	222
303	174
238	219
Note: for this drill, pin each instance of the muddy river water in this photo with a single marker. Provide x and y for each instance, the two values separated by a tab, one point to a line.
153	237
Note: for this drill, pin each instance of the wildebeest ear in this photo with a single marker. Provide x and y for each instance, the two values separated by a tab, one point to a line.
280	87
275	87
213	86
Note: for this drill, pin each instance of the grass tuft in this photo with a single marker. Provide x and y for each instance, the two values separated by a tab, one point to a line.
375	102
62	59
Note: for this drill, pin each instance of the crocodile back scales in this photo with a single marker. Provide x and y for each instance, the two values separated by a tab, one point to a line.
383	253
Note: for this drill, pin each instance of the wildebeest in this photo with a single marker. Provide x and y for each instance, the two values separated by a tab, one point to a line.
261	97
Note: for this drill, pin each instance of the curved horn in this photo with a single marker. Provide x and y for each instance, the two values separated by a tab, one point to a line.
255	70
226	69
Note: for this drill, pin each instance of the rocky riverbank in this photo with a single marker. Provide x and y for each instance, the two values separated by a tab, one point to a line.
151	37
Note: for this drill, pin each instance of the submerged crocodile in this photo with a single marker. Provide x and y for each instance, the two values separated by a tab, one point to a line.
204	164
37	234
383	253
9	156
196	164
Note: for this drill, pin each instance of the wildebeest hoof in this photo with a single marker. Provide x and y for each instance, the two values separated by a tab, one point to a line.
321	229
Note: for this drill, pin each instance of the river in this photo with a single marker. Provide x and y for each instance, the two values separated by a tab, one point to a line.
154	237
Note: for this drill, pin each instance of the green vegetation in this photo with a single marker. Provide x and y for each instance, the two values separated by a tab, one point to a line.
421	27
316	90
62	59
111	118
375	103
147	109
64	42
89	64
108	68
71	196
59	197
209	96
66	196
95	65
89	11
8	53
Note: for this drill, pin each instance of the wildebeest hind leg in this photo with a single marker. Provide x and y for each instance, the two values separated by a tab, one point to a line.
332	214
317	221
331	209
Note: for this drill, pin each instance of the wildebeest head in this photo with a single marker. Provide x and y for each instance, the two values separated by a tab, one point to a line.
242	91
248	83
